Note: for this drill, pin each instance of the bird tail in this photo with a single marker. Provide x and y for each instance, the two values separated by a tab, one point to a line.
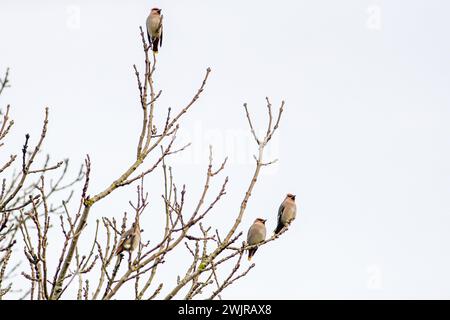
155	43
251	252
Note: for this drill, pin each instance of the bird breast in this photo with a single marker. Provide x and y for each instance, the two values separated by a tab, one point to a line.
256	234
154	25
135	242
289	213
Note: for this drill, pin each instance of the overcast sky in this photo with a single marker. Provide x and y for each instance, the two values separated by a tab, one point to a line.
364	142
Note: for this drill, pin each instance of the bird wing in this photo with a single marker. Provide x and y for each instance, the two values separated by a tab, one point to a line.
249	233
148	29
280	224
256	234
122	241
126	236
280	212
161	27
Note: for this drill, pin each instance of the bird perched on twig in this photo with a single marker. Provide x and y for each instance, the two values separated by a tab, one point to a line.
255	235
286	212
131	239
155	29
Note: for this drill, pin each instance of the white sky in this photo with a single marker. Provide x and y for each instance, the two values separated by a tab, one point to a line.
364	141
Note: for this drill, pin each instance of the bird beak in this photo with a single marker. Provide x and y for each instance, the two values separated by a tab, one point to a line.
264	220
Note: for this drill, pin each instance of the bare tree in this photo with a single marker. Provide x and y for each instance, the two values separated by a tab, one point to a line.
98	271
23	189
